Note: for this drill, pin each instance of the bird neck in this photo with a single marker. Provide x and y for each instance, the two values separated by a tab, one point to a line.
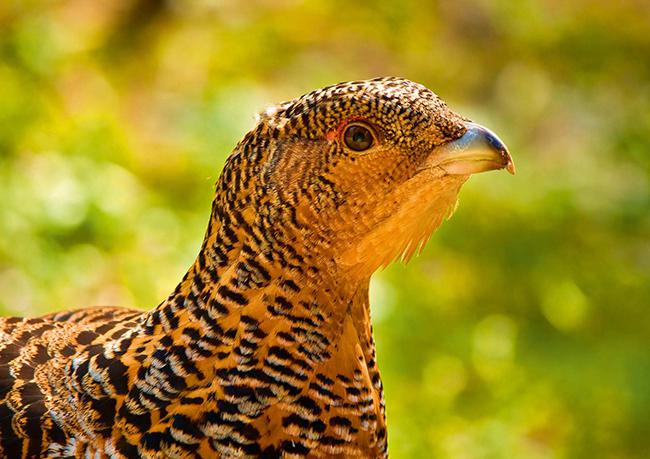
247	288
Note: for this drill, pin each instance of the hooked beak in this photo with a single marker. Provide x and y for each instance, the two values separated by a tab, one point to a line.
478	150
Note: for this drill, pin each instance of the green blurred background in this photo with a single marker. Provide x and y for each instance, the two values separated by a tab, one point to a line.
523	331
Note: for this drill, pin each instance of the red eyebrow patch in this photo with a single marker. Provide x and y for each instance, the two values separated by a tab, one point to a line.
335	133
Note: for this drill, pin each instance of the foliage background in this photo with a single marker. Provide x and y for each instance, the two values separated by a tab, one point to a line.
523	331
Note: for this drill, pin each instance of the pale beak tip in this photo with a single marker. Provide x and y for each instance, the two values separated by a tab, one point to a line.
477	150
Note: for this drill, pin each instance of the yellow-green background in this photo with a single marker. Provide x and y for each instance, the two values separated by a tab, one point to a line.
523	331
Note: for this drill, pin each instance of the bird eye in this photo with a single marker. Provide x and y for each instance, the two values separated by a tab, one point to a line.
358	137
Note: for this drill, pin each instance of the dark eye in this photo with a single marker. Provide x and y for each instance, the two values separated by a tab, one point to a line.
358	137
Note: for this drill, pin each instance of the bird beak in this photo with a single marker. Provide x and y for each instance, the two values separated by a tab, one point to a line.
478	150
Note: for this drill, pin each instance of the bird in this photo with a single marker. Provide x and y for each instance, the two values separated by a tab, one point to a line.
265	347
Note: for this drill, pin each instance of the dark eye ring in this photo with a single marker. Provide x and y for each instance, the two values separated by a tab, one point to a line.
358	137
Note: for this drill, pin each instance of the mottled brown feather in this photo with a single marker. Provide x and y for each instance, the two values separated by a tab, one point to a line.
265	348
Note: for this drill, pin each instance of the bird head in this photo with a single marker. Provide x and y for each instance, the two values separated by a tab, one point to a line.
359	173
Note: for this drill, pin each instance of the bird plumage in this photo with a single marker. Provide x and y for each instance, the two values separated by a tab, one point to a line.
265	347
